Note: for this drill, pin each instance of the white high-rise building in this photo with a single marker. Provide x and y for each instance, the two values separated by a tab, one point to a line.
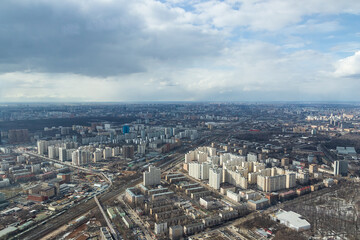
152	177
271	183
160	228
215	176
97	155
115	151
62	154
20	159
81	157
141	148
215	160
69	154
194	170
41	147
290	180
257	167
35	168
252	177
199	170
302	177
252	157
85	157
52	152
75	158
201	154
202	157
107	153
204	170
236	178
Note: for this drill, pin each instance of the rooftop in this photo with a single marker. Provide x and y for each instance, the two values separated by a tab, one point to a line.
345	150
292	218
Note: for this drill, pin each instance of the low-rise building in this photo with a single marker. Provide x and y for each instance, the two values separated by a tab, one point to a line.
292	220
233	196
160	228
207	202
190	229
105	234
258	204
175	232
127	221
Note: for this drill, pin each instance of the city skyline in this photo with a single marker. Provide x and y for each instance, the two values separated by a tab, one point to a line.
181	170
177	50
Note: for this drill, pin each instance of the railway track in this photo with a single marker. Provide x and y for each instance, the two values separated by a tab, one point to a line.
42	229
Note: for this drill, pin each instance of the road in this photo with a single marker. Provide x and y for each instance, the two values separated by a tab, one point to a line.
107	220
229	225
45	227
326	152
102	175
135	218
63	163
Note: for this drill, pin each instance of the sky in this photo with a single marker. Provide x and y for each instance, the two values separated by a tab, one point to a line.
179	50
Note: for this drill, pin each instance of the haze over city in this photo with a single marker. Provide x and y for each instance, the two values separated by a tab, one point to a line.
177	50
179	119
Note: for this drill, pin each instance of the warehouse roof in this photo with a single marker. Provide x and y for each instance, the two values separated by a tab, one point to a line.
292	220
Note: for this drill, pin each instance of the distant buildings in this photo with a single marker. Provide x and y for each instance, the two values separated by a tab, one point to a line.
128	151
346	150
81	157
63	154
52	148
41	147
290	180
107	153
18	136
115	151
252	157
126	129
53	152
97	156
200	154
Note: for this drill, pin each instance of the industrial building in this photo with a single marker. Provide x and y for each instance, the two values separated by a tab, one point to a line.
292	220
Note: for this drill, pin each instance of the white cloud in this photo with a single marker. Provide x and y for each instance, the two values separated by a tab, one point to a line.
246	71
108	50
349	66
270	15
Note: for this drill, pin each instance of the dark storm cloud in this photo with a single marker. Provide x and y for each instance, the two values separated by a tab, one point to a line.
93	38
